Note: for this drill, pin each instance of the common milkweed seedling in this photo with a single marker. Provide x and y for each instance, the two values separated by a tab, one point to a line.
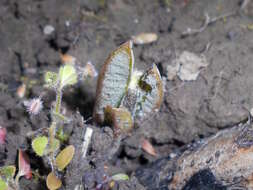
126	95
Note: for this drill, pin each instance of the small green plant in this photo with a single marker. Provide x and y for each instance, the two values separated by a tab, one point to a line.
126	96
48	145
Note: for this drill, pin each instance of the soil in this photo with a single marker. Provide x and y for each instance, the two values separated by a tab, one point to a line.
89	30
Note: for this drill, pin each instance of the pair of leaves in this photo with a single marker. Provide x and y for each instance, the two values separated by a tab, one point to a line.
39	145
67	76
120	87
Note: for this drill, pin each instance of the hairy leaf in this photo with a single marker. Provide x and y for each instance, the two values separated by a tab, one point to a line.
39	145
68	75
120	177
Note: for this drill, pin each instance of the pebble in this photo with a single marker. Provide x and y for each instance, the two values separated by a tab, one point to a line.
48	29
144	38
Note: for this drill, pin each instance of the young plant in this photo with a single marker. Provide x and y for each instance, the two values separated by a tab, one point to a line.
126	96
48	145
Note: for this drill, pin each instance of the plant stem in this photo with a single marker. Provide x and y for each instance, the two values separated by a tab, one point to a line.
17	181
52	129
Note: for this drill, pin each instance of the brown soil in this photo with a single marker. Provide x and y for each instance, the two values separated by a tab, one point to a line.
89	30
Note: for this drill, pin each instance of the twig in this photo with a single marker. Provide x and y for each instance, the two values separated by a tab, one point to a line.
79	187
217	86
244	4
208	21
86	141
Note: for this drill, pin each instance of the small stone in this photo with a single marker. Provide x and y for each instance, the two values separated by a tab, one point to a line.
48	29
67	23
136	21
190	65
247	7
144	38
171	71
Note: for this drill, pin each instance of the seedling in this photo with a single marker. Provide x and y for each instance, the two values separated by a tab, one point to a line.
48	146
126	96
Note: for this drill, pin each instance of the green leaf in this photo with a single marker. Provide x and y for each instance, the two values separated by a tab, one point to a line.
64	157
39	144
150	94
51	79
113	80
68	75
8	171
53	182
120	177
61	135
3	185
